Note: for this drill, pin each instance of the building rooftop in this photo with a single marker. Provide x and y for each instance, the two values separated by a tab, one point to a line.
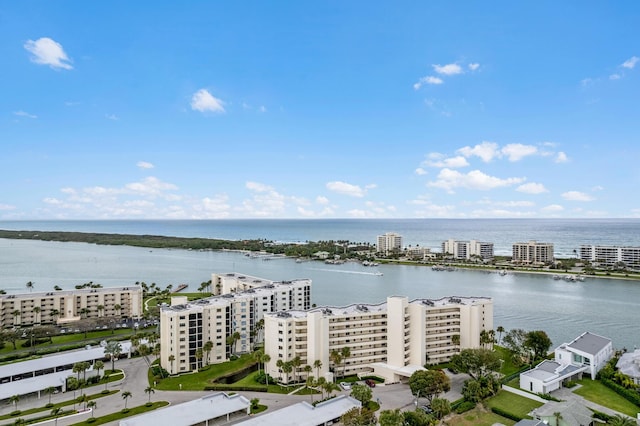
305	414
589	343
629	364
43	294
452	300
198	411
548	371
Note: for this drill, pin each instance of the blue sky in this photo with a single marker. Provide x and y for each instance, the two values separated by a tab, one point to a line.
334	109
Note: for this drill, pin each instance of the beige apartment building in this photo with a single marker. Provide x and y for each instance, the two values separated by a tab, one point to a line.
532	252
67	306
468	250
390	339
241	302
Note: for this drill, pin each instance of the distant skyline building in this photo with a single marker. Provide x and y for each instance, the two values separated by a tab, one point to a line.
389	242
468	250
532	252
390	339
611	255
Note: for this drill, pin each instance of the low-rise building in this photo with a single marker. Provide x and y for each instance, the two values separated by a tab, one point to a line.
532	253
629	364
68	306
233	315
392	339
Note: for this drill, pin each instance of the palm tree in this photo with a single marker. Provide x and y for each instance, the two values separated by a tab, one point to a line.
295	364
265	358
77	368
30	286
336	358
83	399
619	420
55	412
307	369
310	384
345	352
126	395
16	316
117	308
92	405
113	349
36	311
236	338
500	330
317	364
207	349
287	367
98	365
54	314
149	390
199	355
100	310
49	391
84	312
14	400
558	417
280	364
171	359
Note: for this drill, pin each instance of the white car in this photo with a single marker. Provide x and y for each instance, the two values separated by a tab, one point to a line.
345	385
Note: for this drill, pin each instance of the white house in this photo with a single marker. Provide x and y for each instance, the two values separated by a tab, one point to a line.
629	364
588	349
587	353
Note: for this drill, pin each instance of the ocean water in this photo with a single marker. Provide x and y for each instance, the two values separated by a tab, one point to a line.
566	234
530	301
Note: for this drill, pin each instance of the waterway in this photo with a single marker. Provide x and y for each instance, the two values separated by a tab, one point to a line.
530	301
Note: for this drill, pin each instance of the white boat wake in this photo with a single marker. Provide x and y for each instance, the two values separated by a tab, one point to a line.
347	272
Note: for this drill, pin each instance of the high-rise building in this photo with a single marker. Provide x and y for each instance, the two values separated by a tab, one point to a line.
390	339
389	242
532	252
234	314
468	250
611	255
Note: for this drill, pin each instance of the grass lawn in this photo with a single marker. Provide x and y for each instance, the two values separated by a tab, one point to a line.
120	415
197	381
478	417
508	367
513	403
596	392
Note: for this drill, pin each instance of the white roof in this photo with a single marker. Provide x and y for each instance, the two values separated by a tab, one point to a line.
33	384
193	412
305	414
405	371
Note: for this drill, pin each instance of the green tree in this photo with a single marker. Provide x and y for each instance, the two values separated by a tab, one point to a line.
418	418
345	353
295	364
336	358
98	365
472	390
538	342
317	364
149	390
391	418
358	417
55	412
172	358
362	393
199	354
429	383
93	405
113	349
30	286
476	362
620	420
14	399
126	395
36	311
49	391
83	399
500	330
441	407
207	348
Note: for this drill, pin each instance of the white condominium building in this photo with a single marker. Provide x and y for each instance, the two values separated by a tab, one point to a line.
532	252
610	255
389	241
390	339
468	250
66	306
186	328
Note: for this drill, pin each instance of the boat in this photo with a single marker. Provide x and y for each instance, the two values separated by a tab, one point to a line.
378	274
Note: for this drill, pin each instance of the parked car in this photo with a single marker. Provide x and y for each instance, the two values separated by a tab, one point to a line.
426	409
345	385
370	383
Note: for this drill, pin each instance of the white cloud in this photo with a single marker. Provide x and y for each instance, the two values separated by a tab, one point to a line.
204	101
597	188
111	117
46	51
144	165
452	162
577	196
552	208
24	114
420	171
517	151
346	189
258	187
487	151
449	179
615	77
429	79
150	187
322	200
631	62
532	188
266	202
474	66
213	207
262	108
561	157
6	207
448	69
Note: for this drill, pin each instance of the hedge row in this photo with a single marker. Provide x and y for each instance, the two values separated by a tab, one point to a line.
499	411
465	406
628	394
235	388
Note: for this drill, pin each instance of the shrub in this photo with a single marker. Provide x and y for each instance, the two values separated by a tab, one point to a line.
465	406
548	397
600	416
233	357
628	394
236	388
571	384
499	411
261	378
